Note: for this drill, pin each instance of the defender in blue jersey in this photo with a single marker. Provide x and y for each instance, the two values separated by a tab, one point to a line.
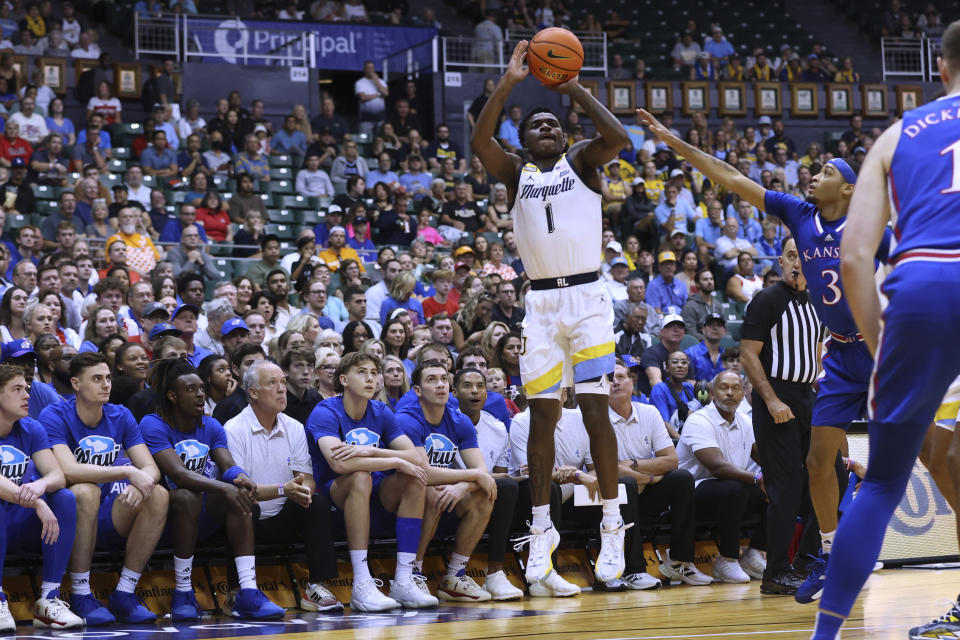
184	442
817	225
359	452
37	510
445	433
912	177
88	434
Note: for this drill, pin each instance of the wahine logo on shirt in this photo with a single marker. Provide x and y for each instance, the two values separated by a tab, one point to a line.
440	450
14	465
99	450
362	436
540	193
193	454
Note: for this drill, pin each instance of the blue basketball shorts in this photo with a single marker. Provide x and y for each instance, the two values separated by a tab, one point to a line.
843	387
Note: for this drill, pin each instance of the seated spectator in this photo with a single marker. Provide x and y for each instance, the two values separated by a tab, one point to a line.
86	48
730	244
747	219
13	146
718	448
217	158
330	120
399	296
214	219
734	71
142	256
761	71
706	358
186	216
33	126
189	255
846	73
744	283
814	72
508	135
425	231
337	250
89	151
674	213
783	162
348	165
442	147
792	71
159	159
48	165
685	53
250	236
360	239
704	69
191	122
191	161
121	199
106	105
383	173
654	359
29	45
779	140
245	200
289	140
57	122
441	301
314	181
100	227
673	393
251	161
460	213
930	22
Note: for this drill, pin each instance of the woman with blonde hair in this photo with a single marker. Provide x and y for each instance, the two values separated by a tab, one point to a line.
499	217
400	297
303	121
490	336
475	311
373	347
307	325
395	383
101	325
327	361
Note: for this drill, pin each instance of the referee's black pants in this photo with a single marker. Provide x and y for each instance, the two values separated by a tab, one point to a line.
293	523
782	449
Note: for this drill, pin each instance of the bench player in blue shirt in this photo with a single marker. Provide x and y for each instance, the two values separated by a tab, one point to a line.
817	226
912	177
185	443
88	434
359	452
444	432
35	505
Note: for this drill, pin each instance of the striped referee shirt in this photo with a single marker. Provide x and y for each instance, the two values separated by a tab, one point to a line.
784	320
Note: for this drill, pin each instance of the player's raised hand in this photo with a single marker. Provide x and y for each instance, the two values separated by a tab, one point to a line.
565	87
655	126
516	69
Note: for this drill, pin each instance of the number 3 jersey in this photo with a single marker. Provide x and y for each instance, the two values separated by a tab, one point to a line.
818	242
557	220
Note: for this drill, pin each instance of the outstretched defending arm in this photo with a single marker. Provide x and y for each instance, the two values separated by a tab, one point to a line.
498	162
718	171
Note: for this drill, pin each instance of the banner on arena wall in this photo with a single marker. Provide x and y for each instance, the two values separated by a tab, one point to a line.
20	597
923	526
339	46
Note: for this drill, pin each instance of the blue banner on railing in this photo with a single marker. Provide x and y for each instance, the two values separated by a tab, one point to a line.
338	46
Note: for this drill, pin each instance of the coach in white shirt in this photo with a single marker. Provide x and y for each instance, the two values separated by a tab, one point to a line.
717	446
648	467
272	448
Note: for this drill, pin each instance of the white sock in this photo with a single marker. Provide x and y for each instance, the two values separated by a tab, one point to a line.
418	565
246	571
183	571
47	587
457	562
80	583
128	580
611	513
541	517
826	540
405	563
361	572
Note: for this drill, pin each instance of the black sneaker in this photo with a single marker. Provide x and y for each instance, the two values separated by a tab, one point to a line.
782	584
946	626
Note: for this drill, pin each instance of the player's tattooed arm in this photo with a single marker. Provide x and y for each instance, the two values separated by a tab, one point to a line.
718	171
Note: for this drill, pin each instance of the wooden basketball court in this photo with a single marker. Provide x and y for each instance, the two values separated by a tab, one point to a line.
893	601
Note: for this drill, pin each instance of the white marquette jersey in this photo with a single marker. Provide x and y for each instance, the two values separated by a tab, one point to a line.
558	222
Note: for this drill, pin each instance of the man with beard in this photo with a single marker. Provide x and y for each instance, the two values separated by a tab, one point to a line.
142	256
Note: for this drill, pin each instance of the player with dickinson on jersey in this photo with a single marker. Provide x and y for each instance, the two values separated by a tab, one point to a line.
568	329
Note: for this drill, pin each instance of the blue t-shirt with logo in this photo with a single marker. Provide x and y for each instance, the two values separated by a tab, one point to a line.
99	445
192	447
17	448
442	441
377	428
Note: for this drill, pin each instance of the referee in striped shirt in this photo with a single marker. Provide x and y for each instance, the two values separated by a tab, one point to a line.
780	349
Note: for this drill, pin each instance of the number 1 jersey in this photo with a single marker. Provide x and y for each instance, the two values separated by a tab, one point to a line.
558	223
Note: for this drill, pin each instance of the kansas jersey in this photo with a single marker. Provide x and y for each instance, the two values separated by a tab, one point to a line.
17	448
442	441
193	447
557	221
924	183
99	445
377	428
818	242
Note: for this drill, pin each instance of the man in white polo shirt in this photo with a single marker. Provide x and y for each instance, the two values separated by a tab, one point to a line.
272	448
717	446
648	468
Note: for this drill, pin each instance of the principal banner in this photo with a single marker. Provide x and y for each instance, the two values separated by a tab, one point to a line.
923	526
338	46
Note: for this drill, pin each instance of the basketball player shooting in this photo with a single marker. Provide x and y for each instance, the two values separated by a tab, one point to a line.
568	330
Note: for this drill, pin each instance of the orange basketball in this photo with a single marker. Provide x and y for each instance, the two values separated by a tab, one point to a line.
554	55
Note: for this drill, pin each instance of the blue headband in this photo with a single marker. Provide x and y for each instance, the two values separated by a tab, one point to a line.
844	169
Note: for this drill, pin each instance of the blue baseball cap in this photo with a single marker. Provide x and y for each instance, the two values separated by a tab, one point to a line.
164	329
188	306
15	349
619	260
232	325
630	361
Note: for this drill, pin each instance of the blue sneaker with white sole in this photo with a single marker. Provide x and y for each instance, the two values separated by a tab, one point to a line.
92	611
812	587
